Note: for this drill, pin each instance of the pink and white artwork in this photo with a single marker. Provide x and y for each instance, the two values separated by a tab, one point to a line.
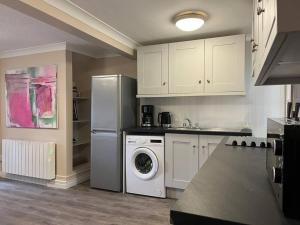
31	97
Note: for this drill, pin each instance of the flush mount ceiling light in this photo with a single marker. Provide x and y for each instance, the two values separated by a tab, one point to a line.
190	20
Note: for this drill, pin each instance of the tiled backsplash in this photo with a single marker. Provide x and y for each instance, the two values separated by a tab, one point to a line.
206	111
250	111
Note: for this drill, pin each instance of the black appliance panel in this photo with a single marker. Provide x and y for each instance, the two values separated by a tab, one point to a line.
282	162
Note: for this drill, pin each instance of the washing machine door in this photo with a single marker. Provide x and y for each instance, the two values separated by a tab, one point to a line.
144	163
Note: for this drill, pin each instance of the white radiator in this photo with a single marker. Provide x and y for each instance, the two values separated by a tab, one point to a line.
28	158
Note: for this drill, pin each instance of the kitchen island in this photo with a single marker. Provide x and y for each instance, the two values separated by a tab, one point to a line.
231	188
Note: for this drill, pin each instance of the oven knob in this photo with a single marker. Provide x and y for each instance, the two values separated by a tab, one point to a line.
234	143
277	147
244	144
253	144
262	144
277	175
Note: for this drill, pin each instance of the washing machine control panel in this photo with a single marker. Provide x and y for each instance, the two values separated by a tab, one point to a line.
145	140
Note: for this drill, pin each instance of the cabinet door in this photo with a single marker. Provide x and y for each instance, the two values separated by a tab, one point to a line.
181	162
225	64
268	14
186	67
152	63
259	46
207	145
255	35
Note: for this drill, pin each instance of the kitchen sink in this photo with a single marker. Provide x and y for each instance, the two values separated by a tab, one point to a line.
186	128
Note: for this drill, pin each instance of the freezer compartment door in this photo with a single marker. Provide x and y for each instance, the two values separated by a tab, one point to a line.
105	103
106	160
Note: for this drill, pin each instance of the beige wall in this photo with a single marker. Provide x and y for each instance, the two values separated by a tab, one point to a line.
84	67
70	65
114	65
60	136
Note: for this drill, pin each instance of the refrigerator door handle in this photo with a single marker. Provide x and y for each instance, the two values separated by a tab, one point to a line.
103	130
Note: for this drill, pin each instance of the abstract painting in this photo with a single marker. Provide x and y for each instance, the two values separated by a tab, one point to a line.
31	97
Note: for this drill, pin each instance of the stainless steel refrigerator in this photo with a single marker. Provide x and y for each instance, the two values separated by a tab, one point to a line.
113	109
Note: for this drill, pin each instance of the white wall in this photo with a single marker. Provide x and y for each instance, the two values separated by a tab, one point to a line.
250	111
266	102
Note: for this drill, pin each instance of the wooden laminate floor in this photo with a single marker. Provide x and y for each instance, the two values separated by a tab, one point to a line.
27	204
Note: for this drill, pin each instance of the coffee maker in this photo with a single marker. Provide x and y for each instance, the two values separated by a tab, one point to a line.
147	116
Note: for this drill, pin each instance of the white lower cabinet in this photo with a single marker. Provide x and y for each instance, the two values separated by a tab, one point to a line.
185	155
207	145
181	159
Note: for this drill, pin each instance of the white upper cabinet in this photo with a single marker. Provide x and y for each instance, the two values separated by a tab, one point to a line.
275	42
255	41
225	64
153	70
268	15
186	67
193	68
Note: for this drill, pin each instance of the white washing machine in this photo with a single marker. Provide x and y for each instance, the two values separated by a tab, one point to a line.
145	169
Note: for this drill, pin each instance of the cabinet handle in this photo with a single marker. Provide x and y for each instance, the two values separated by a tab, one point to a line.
254	47
164	83
194	146
208	81
260	10
199	82
259	0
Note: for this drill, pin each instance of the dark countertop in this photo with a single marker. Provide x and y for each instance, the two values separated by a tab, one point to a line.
231	188
202	131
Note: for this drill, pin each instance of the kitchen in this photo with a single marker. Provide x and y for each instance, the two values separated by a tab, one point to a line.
150	118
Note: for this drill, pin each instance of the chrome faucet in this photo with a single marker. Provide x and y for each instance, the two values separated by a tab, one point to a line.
189	122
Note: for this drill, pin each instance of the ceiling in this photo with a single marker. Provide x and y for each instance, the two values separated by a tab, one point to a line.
18	31
150	21
145	21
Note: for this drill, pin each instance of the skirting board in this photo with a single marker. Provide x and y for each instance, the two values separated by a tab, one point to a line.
76	178
26	179
174	193
79	176
2	174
